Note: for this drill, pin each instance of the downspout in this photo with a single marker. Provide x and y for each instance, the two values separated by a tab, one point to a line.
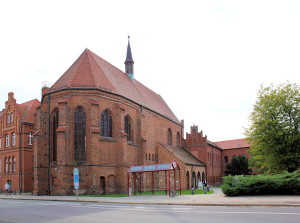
21	163
212	165
48	144
21	148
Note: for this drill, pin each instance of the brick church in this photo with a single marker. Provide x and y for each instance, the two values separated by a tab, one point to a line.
102	121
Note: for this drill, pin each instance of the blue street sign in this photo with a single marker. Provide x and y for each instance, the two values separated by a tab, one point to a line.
76	178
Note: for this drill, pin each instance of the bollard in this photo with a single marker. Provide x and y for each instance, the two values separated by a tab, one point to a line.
14	191
204	190
193	192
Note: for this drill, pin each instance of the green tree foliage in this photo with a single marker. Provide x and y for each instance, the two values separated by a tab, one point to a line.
274	131
238	166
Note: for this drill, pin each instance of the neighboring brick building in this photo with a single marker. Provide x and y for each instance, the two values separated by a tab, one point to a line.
233	148
214	154
16	138
101	120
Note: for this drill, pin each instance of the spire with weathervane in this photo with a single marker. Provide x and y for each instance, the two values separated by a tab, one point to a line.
129	62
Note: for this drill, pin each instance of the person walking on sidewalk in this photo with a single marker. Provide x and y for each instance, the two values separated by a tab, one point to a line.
7	188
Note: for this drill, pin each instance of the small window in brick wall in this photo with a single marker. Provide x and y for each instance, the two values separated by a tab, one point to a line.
226	159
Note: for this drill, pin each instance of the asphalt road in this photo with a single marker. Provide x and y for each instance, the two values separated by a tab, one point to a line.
51	211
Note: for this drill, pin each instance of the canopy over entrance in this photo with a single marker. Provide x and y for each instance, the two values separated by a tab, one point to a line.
167	168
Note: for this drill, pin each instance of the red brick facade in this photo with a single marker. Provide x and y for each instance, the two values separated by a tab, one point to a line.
16	139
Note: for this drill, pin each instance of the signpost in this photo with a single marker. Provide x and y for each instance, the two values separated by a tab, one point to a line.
76	181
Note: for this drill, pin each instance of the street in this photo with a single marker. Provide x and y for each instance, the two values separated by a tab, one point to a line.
51	211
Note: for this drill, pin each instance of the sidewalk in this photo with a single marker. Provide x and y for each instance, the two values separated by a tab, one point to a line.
216	199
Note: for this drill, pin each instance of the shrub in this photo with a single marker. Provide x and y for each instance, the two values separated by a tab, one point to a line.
279	184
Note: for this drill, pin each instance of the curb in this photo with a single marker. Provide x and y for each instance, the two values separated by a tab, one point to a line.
161	203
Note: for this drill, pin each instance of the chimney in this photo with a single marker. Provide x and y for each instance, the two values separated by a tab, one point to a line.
45	87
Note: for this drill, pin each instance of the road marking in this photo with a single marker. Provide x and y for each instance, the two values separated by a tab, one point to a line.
210	212
149	209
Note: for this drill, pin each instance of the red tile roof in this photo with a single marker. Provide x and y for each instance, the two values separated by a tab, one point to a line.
28	109
91	71
232	144
183	155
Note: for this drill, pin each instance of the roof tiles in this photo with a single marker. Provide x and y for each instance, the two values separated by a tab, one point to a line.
92	72
232	144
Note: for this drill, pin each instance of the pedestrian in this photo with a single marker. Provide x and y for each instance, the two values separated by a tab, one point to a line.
7	187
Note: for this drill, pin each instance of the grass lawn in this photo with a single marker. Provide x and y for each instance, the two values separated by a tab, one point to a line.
183	192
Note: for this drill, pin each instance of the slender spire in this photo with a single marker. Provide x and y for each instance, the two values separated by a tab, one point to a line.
129	55
129	62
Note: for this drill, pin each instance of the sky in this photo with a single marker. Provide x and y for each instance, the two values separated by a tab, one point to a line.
207	59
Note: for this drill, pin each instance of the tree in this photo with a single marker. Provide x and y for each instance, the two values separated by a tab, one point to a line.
274	131
238	166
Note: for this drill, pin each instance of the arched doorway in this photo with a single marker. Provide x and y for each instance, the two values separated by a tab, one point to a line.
203	177
194	179
198	178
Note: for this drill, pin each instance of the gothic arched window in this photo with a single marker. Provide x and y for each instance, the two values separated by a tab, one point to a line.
170	137
54	126
128	128
106	124
79	135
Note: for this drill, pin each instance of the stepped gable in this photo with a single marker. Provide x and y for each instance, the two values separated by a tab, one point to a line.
233	144
90	71
183	155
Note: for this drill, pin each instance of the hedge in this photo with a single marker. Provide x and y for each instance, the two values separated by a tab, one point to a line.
279	184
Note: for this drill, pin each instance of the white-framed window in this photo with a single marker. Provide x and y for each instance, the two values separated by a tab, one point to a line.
11	117
7	140
14	164
10	164
13	139
8	118
30	137
6	164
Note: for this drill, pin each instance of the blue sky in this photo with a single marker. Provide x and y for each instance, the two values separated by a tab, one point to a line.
207	59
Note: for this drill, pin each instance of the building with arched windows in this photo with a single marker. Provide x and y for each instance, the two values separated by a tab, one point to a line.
16	149
102	121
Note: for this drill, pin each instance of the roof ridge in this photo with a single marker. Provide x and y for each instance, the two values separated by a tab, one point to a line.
230	140
88	54
84	53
